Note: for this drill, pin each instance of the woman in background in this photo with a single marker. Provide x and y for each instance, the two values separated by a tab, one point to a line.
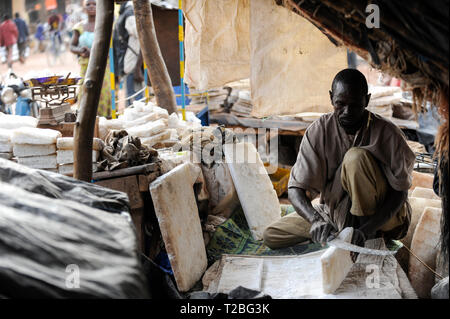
82	40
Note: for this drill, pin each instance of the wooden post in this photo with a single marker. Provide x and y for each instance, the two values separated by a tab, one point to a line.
92	86
159	76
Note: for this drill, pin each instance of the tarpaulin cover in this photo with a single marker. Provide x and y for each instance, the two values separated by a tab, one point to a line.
63	238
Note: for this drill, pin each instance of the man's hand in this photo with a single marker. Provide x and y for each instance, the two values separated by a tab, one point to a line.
359	239
321	230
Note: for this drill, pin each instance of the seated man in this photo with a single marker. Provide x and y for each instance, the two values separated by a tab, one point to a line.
361	166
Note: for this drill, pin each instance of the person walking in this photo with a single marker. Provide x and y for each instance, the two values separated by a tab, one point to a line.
23	36
8	37
82	40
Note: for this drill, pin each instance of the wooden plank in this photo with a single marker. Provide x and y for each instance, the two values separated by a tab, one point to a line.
126	184
137	215
135	170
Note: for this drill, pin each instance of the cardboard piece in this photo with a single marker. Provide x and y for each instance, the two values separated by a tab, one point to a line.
177	212
255	190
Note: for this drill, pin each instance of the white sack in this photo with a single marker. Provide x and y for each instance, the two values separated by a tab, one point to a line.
293	62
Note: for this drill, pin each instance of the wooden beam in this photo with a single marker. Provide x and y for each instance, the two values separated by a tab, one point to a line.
92	86
159	76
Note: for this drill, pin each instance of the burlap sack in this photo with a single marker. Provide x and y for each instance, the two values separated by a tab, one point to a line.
217	42
293	62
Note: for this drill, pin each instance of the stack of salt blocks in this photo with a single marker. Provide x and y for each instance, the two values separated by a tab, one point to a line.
6	148
65	154
35	147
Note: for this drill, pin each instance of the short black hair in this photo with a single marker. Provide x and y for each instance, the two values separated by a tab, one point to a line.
17	15
353	77
6	17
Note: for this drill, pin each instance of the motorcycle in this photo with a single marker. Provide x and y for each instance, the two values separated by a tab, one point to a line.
15	97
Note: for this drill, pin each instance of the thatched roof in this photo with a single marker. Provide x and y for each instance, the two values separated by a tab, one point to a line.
411	43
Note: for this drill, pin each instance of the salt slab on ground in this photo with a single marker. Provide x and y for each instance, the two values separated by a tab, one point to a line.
177	212
254	188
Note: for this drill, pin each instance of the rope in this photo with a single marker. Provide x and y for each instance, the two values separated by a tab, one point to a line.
429	268
132	96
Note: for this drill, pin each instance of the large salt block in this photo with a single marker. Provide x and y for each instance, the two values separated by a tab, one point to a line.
47	161
67	156
421	180
31	135
148	129
6	147
11	122
25	150
255	190
422	192
336	263
177	212
6	155
5	136
424	245
417	208
66	143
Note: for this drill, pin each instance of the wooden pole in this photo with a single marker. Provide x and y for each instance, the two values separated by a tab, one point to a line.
92	86
159	76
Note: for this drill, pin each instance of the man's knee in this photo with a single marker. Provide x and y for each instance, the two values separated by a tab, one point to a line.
268	238
355	156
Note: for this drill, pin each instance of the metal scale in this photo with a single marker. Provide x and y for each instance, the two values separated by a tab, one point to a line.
58	93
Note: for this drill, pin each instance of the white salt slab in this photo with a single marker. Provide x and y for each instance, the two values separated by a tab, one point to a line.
417	208
422	192
177	212
6	155
12	122
251	279
47	161
67	156
5	136
148	129
66	143
31	135
336	263
254	188
25	150
152	140
425	245
6	147
151	117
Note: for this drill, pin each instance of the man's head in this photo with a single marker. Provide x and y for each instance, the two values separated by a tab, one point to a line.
17	15
349	98
6	17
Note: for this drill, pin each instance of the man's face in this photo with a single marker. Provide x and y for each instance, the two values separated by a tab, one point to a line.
349	105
